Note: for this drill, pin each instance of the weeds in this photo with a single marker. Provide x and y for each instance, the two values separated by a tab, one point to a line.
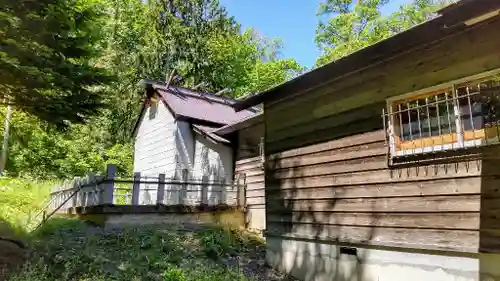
64	249
20	200
72	250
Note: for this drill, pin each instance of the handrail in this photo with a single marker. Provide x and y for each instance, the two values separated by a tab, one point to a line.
42	210
97	183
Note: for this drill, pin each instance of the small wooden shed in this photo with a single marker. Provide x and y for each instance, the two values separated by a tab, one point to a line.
385	164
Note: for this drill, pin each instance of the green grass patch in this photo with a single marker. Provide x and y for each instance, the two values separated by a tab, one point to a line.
65	249
73	250
20	200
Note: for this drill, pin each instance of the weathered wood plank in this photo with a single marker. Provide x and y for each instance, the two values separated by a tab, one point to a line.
256	200
255	192
359	139
255	179
353	152
455	186
257	206
436	63
458	240
328	122
247	160
349	129
248	166
356	165
255	185
430	172
462	203
464	221
257	172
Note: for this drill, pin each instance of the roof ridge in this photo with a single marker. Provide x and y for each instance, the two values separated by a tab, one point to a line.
211	97
191	92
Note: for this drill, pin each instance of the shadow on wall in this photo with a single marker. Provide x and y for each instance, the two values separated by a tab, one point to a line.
212	194
304	253
489	241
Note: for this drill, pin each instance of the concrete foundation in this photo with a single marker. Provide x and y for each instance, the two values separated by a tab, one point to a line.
231	218
151	214
256	219
313	261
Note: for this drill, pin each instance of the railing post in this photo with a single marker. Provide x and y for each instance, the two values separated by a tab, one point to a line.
160	194
223	190
241	190
136	188
53	194
108	186
184	185
94	192
74	188
204	189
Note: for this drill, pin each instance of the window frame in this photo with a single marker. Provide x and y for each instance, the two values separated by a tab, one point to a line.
459	139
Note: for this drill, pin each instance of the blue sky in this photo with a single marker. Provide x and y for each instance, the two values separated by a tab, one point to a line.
294	21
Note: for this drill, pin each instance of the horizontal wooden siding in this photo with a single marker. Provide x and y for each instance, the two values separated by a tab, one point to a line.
251	169
343	190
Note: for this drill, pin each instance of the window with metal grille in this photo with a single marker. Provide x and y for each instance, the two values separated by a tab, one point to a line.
456	115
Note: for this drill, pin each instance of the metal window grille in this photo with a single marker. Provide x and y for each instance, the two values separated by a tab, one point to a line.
455	117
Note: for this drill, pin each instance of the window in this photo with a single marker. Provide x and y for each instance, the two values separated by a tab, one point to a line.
456	115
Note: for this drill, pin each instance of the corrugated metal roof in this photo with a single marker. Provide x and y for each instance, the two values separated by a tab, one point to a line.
200	106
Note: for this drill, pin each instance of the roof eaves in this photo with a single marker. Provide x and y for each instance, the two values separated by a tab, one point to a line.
451	21
210	135
241	124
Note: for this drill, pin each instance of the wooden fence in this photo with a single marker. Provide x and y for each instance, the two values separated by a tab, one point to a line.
95	190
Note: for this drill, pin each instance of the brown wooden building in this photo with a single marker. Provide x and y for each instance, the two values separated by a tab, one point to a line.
385	164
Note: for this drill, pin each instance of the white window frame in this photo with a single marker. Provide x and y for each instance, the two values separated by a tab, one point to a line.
394	152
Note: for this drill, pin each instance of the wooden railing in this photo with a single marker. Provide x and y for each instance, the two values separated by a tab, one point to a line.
95	190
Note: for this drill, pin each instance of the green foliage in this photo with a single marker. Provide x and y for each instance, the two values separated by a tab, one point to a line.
198	39
71	250
38	150
46	58
357	24
130	40
248	63
20	200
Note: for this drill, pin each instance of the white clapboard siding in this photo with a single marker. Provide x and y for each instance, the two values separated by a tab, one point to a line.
154	148
165	145
184	145
213	161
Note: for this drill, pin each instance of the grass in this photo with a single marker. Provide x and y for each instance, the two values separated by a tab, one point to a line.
64	249
20	200
72	250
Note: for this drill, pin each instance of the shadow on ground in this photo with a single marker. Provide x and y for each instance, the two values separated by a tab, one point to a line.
72	250
12	249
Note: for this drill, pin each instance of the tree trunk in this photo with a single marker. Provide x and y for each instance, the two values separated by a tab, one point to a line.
5	145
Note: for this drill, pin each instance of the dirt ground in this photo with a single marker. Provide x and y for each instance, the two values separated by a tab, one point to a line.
12	250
